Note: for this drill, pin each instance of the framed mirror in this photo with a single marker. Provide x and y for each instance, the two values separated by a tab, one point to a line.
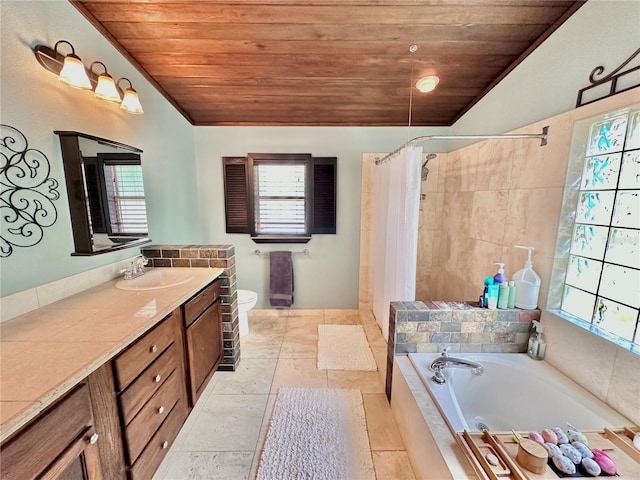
106	193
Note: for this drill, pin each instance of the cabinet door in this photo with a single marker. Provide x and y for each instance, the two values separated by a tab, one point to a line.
81	461
204	348
60	442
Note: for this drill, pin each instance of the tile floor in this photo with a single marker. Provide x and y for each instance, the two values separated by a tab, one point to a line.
224	435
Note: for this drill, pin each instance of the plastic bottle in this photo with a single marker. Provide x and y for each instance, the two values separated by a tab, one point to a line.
503	295
492	296
527	284
499	277
511	302
537	344
485	295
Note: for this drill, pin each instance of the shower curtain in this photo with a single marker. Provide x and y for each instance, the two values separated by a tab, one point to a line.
397	201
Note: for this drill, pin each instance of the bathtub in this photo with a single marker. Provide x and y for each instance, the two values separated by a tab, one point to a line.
515	392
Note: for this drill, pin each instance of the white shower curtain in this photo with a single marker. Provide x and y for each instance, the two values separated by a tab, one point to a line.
397	202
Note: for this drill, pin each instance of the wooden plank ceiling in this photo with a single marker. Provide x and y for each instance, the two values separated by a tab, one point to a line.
324	62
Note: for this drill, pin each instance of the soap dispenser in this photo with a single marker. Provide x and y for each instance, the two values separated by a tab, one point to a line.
537	344
499	278
527	284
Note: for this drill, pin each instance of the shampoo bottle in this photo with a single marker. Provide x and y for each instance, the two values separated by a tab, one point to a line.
492	296
537	344
511	302
527	284
503	295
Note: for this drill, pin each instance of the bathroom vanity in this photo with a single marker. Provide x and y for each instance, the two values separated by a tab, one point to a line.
98	385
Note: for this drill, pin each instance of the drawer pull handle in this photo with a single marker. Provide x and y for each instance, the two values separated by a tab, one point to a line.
161	410
156	378
154	348
93	439
165	444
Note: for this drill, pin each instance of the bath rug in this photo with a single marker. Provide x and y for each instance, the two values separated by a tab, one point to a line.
317	434
344	347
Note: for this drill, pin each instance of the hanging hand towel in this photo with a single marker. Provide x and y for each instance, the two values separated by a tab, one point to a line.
280	279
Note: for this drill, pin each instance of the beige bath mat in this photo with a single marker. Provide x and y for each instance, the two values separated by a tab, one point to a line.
344	347
317	433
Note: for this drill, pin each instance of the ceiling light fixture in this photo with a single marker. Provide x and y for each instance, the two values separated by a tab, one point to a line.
130	100
427	84
106	87
73	72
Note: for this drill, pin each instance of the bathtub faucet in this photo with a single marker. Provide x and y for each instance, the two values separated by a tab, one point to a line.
445	361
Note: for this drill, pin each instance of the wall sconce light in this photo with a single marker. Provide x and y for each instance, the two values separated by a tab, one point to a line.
106	87
71	70
130	100
427	84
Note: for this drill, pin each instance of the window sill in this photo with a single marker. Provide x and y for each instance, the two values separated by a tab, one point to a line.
620	342
281	239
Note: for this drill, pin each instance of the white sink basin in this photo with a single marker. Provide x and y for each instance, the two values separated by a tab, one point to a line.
156	279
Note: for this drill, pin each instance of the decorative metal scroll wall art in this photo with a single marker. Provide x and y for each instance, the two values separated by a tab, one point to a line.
28	192
612	78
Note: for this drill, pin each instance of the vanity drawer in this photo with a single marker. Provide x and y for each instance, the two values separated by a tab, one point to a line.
137	394
145	424
198	304
135	359
159	445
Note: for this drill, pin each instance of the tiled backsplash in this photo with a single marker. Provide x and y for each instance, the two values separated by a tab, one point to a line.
432	326
208	256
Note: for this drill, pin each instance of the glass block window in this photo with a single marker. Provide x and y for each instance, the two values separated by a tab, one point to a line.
602	281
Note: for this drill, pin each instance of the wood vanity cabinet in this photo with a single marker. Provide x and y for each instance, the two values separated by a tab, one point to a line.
203	336
151	392
120	421
60	443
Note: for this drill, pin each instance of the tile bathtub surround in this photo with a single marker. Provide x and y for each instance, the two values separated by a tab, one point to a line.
432	326
208	256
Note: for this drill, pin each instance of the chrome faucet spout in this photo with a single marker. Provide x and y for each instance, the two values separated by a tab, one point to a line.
136	267
444	361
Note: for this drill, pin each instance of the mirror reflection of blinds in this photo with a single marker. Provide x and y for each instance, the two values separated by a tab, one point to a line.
279	199
125	193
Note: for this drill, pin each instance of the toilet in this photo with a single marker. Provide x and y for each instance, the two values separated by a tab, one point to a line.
246	301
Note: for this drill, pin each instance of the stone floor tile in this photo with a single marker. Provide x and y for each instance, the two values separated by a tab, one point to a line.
392	465
268	324
299	345
228	423
303	324
298	372
260	345
253	376
366	382
383	432
210	466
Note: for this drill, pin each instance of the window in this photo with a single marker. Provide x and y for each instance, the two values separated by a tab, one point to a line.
602	281
280	198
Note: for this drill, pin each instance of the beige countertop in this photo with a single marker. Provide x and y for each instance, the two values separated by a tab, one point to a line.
46	352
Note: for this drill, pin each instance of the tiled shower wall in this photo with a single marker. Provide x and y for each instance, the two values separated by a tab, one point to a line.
482	200
205	256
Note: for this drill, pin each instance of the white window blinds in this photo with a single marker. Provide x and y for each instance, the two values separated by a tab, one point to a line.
279	198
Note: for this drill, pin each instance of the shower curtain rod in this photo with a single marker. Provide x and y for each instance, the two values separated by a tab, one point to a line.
542	136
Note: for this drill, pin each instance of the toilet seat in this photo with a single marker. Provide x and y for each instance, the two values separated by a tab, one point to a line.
246	296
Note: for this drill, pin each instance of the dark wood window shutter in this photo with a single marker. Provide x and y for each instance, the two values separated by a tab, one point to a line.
236	194
324	195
